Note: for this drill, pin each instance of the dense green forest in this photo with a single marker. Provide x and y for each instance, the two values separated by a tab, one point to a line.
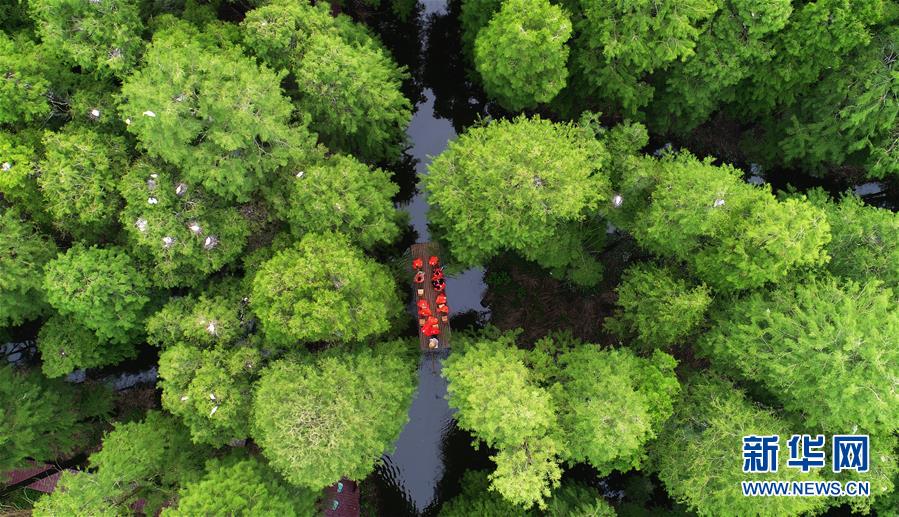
684	211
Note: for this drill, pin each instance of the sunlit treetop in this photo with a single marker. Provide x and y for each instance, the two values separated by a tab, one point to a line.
212	112
517	185
101	289
323	289
23	254
522	53
78	177
180	233
100	36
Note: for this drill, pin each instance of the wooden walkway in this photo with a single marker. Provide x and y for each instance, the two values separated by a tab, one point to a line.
423	251
346	496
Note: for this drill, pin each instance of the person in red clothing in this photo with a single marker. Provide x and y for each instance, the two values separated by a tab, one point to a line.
441	299
433	261
425	311
439	285
422	304
443	310
417	264
437	274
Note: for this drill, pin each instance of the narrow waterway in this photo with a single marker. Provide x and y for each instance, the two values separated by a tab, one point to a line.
416	467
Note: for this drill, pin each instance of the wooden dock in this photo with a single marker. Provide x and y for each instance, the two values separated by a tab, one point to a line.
342	499
423	251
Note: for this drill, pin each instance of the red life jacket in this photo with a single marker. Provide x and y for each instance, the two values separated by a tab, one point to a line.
417	264
433	261
441	299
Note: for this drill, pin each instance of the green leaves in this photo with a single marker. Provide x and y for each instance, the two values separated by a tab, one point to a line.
735	236
212	112
521	54
333	416
562	401
346	196
826	348
101	37
323	289
23	253
78	178
698	454
657	308
517	186
242	486
101	289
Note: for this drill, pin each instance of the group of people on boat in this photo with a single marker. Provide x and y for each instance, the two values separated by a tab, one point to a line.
429	319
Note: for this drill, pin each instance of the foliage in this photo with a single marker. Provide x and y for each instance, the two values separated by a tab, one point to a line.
99	36
242	486
657	307
67	345
23	87
521	54
734	235
353	94
698	454
563	401
78	177
865	242
323	289
23	253
475	499
211	390
212	112
577	500
145	460
344	77
217	317
183	233
346	196
825	348
611	403
18	179
852	115
45	420
333	416
618	43
521	185
101	289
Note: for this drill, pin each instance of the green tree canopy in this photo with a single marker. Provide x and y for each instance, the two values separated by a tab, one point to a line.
519	185
103	37
211	390
218	316
18	171
657	307
23	254
67	345
346	196
698	454
242	486
344	77
865	242
78	178
825	348
323	289
522	53
212	112
23	90
562	401
619	43
320	419
147	460
45	420
180	232
734	235
101	289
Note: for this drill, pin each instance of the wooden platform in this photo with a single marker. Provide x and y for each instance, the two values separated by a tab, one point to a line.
346	494
424	250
